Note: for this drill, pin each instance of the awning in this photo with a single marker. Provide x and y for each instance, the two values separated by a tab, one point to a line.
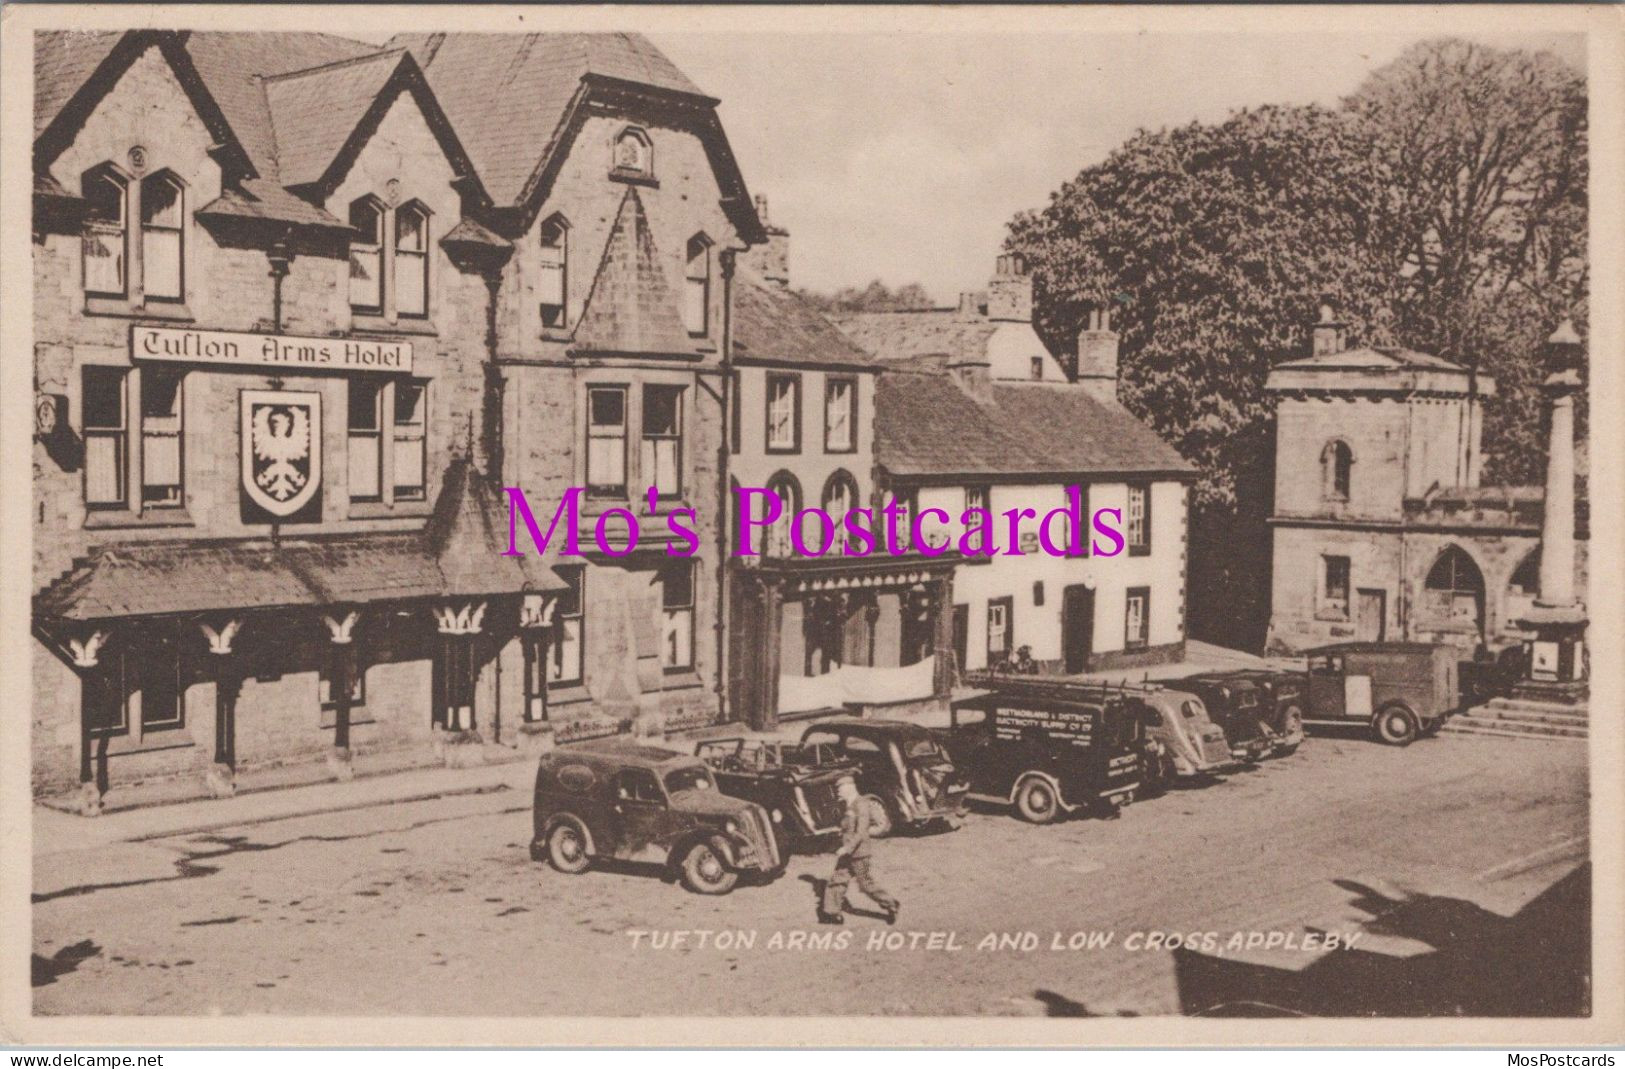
458	555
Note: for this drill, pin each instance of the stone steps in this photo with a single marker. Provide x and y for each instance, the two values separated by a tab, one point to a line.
1521	719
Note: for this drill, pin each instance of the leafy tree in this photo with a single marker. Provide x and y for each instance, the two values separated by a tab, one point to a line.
1441	207
875	297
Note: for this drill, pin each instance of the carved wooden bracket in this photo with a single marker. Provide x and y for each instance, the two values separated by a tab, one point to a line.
87	654
460	621
340	630
537	611
220	641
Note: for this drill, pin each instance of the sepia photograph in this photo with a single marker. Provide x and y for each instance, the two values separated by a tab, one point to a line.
929	514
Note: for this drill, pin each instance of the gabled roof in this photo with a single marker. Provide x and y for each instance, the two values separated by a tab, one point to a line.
1376	357
926	425
314	111
507	94
773	325
904	336
632	307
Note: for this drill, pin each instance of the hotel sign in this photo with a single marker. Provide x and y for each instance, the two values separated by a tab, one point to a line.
285	352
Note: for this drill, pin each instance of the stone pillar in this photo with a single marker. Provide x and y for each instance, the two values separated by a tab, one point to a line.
1557	528
1556	655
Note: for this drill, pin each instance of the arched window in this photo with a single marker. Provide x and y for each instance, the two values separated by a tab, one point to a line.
163	203
554	285
840	498
788	491
1336	465
105	241
1526	579
412	260
367	255
1454	591
697	286
633	153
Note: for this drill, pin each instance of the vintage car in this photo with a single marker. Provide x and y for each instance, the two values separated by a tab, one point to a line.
1182	741
1236	706
625	801
902	768
1049	747
1281	695
800	799
1401	689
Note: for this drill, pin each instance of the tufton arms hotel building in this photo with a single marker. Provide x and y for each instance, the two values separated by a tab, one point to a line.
303	306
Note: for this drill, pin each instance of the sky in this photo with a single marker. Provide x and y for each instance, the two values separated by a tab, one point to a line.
902	156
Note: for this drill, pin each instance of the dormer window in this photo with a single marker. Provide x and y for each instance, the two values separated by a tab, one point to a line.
367	256
633	153
105	239
412	261
389	259
697	287
163	214
554	284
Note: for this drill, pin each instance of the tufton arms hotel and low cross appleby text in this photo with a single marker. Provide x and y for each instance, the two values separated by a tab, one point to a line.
304	305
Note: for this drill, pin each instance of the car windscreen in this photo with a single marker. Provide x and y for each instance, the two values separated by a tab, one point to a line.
921	750
688	779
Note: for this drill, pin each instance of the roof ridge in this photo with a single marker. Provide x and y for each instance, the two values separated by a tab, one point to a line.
323	67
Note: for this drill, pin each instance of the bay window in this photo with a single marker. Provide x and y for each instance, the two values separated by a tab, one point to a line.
606	441
677	615
663	439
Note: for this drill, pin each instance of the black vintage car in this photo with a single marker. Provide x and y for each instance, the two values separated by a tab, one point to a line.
903	768
629	802
800	797
1282	697
1047	748
1235	705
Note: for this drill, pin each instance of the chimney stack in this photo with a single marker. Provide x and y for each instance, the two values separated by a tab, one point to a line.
1010	291
1328	331
1097	355
771	260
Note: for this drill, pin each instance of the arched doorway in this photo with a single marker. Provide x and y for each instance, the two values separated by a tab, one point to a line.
1454	591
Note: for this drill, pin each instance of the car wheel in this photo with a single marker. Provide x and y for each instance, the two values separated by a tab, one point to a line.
567	848
1396	725
1036	800
880	822
1291	731
705	873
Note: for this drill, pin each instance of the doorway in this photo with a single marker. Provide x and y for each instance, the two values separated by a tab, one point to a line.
1371	616
1077	627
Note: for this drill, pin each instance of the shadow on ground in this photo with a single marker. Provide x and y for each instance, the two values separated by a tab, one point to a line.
1536	963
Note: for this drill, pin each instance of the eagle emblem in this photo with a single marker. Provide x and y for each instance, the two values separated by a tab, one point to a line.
281	449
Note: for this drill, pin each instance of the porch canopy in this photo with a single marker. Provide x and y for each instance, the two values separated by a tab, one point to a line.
458	554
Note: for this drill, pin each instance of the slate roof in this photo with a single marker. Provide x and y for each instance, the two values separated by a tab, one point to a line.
904	336
458	554
260	198
925	424
632	307
62	61
774	325
507	94
313	112
1375	357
